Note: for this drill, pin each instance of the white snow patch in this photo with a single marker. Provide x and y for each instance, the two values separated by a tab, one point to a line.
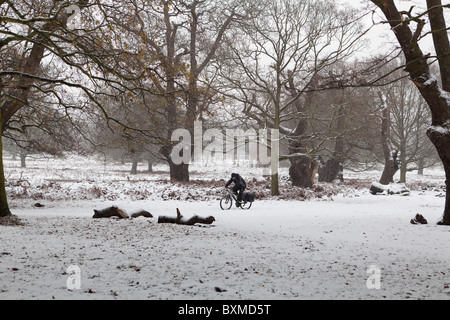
443	130
445	95
277	250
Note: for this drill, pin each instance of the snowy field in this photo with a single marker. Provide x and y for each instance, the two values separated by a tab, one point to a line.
340	243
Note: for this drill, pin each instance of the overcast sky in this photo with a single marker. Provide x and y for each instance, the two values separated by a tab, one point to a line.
381	37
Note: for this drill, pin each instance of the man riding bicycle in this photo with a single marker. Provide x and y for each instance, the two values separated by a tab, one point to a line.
239	187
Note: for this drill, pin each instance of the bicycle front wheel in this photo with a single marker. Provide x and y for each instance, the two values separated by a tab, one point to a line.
226	203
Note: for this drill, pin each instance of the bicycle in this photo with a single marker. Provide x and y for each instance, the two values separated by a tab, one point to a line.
227	201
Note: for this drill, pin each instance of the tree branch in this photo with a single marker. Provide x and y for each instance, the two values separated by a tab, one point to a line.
441	40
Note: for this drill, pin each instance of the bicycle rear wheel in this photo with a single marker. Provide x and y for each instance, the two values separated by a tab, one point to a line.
246	205
226	202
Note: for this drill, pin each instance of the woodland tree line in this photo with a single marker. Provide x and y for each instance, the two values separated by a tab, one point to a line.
96	76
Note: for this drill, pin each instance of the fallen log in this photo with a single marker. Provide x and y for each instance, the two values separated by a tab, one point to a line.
119	213
141	213
377	188
391	189
179	219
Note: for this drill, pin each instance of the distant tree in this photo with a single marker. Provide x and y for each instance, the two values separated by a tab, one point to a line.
131	144
391	162
409	122
275	68
42	128
181	38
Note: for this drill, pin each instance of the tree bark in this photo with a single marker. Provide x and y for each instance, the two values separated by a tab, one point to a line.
403	165
32	66
119	213
390	169
421	167
170	60
193	110
179	172
4	207
441	139
390	157
134	166
440	40
303	169
437	98
331	171
23	157
179	219
11	107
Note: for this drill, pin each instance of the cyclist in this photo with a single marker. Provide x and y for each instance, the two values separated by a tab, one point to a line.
239	187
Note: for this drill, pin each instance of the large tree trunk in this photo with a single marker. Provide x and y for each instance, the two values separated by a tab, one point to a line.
440	137
180	172
390	157
403	165
32	66
193	110
332	170
437	97
439	100
177	172
303	167
134	166
390	169
4	207
303	171
136	156
11	107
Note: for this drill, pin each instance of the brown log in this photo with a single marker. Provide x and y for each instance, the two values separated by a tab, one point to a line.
179	219
119	213
390	189
377	188
142	213
109	213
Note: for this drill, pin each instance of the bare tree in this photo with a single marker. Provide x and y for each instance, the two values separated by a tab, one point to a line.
409	122
275	67
391	163
35	32
437	95
182	37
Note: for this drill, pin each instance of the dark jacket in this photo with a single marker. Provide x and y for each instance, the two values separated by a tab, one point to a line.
238	181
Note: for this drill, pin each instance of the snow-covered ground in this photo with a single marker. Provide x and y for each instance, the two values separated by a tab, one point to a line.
346	245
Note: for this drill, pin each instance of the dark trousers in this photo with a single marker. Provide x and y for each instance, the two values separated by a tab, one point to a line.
239	190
